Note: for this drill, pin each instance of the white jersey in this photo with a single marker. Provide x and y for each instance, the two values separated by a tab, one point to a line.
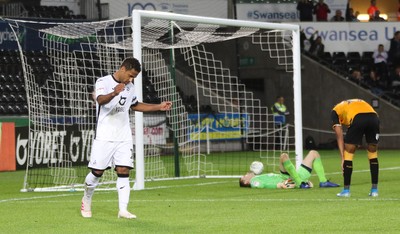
113	117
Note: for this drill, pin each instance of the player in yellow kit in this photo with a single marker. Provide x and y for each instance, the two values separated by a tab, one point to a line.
360	119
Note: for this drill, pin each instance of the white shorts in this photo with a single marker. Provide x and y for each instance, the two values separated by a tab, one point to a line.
108	154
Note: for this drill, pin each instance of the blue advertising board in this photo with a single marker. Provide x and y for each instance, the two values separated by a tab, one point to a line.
221	126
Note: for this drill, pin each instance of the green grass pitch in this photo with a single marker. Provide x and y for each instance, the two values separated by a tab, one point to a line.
215	205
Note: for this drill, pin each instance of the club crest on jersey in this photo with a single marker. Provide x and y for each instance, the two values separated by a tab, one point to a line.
122	100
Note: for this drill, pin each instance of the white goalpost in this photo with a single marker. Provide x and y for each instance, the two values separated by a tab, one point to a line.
137	16
217	126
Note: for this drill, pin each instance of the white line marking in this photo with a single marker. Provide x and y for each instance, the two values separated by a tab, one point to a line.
33	198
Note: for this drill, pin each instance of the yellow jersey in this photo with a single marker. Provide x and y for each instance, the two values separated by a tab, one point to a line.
348	109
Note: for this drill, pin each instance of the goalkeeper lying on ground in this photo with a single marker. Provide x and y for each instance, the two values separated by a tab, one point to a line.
289	176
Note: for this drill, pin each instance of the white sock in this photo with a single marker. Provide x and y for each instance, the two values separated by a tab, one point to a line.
91	182
124	191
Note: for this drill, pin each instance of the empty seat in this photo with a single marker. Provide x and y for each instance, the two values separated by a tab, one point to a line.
327	58
340	63
353	60
367	59
353	57
3	79
338	55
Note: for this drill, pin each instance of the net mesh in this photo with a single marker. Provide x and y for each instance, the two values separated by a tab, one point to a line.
216	126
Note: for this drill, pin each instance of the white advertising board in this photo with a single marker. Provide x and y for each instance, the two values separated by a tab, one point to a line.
280	12
352	36
155	131
209	8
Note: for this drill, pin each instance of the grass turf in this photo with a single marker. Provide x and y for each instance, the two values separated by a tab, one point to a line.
215	206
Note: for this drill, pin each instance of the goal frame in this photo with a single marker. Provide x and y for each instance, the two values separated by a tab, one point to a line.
136	17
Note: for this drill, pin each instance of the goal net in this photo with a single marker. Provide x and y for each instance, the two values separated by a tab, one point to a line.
217	126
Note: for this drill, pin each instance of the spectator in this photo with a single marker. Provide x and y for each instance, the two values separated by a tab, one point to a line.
374	83
376	17
395	78
372	8
380	61
305	8
280	112
304	42
321	11
398	12
356	15
338	16
356	76
279	108
317	48
394	49
350	17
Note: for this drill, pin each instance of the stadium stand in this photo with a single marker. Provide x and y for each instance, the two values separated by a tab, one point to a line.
31	9
55	12
344	64
12	87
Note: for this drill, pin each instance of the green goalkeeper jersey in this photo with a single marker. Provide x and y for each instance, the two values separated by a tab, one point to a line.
269	181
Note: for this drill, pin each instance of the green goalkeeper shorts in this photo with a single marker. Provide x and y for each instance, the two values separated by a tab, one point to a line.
304	173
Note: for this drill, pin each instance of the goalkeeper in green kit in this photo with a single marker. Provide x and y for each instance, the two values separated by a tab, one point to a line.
289	176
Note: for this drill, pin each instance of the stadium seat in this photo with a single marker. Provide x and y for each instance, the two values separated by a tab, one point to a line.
25	109
17	79
327	57
21	97
3	79
5	98
18	109
10	109
367	59
338	54
353	60
3	110
8	88
340	63
353	57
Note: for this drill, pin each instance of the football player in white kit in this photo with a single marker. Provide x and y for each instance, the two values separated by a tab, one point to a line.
112	144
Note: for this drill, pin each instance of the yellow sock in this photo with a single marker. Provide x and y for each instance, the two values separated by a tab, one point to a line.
348	156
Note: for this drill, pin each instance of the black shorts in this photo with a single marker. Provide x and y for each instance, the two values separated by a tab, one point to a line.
363	124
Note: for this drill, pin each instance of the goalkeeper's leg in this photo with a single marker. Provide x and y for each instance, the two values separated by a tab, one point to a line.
313	161
289	168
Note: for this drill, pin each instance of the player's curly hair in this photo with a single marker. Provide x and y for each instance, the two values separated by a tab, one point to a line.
131	63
